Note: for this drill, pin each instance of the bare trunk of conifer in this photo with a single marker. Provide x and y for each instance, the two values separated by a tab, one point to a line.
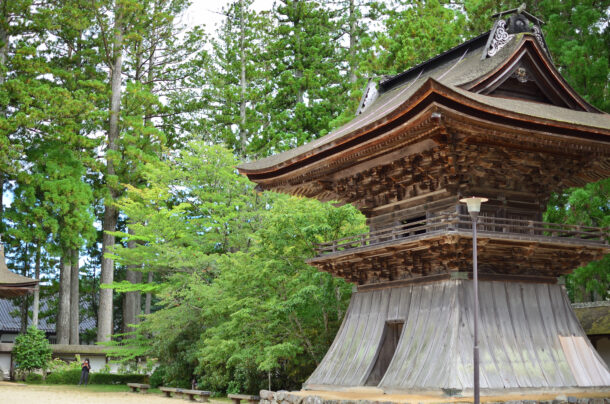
24	299
3	59
104	329
352	42
148	302
3	36
104	326
36	304
1	201
24	314
74	300
63	313
242	104
131	301
298	73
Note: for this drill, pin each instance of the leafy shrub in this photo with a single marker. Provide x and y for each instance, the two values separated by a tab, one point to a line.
70	376
33	378
110	378
59	365
32	350
158	377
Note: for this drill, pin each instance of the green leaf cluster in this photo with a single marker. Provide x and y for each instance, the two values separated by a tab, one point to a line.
587	206
32	350
236	300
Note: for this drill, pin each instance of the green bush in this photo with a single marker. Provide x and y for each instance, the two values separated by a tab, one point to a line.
110	378
32	350
70	376
33	378
158	377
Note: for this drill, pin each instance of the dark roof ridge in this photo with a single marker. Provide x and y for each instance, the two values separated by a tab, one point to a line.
399	78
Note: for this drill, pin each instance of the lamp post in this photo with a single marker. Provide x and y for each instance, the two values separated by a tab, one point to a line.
474	207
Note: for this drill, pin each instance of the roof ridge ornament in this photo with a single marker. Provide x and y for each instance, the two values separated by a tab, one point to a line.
504	30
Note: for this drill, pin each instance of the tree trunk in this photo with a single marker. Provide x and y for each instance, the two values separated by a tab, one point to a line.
74	300
24	299
242	101
104	318
24	314
104	329
148	302
62	327
131	302
3	59
352	42
36	304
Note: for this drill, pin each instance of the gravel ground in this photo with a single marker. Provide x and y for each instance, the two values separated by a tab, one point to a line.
13	393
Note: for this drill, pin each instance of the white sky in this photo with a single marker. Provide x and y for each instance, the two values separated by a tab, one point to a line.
207	12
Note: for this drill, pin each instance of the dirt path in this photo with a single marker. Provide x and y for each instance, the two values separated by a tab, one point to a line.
13	393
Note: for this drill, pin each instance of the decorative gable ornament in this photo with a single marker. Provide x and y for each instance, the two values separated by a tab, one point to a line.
504	31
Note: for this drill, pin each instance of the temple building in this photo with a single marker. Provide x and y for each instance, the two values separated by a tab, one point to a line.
494	118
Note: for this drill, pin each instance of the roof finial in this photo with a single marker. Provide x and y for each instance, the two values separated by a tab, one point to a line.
505	29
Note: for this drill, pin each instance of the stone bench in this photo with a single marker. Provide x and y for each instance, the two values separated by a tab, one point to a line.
238	397
135	387
171	390
196	393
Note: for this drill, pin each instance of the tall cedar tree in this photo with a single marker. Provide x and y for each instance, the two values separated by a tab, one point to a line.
238	81
307	87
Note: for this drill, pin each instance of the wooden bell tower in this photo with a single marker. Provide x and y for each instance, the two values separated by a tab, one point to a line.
491	117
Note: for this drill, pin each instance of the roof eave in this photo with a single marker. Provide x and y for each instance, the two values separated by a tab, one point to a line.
430	91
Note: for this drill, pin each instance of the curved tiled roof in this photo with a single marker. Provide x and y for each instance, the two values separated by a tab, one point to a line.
12	284
453	70
10	320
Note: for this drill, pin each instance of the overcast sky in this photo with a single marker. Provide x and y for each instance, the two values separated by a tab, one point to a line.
207	12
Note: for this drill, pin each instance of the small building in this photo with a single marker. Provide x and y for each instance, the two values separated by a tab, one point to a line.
493	118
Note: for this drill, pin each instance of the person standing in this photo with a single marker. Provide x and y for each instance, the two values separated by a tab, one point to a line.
84	376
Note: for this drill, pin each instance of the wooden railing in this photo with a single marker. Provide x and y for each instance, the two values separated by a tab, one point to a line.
487	225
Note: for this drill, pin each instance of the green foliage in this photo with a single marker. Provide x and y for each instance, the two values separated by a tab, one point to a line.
587	206
32	350
72	376
272	313
58	365
158	377
230	263
112	378
415	31
34	378
69	376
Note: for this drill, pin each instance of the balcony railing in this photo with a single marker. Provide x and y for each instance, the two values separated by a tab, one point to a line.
487	226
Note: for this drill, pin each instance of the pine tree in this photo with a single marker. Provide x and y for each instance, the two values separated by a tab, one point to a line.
415	31
307	87
238	80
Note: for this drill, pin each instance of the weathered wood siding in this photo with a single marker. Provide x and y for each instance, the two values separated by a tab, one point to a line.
529	337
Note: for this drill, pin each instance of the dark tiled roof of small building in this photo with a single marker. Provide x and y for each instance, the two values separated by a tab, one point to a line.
10	320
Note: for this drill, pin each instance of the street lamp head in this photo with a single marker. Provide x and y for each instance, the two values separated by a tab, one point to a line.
474	205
